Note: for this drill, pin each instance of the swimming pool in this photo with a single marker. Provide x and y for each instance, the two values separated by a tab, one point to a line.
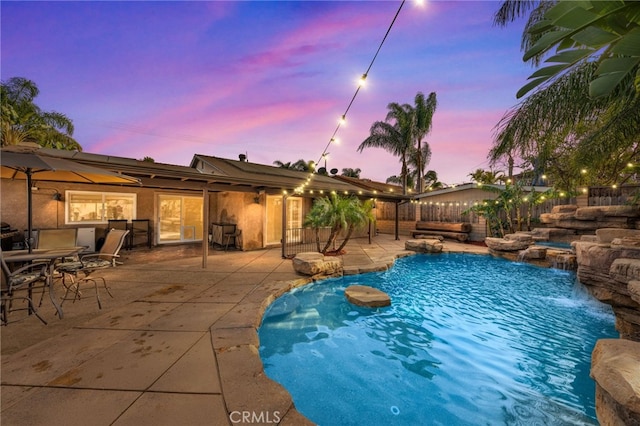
468	339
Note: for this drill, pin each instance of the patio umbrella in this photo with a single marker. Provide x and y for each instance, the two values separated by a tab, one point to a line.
31	165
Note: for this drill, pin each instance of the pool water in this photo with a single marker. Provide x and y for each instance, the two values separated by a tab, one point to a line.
468	340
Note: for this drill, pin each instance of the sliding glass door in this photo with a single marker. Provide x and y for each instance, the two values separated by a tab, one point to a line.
274	217
179	218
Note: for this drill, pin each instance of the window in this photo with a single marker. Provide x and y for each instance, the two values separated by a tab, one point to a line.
98	207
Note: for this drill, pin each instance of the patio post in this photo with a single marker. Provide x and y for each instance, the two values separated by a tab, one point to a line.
397	221
284	224
205	226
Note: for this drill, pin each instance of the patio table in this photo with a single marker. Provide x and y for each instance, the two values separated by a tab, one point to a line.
45	255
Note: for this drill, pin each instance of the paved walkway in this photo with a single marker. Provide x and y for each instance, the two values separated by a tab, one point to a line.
177	345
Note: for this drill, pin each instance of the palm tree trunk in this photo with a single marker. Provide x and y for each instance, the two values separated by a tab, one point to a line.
420	167
346	239
332	238
318	239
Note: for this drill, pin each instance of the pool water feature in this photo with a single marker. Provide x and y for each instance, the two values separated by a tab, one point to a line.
468	339
554	244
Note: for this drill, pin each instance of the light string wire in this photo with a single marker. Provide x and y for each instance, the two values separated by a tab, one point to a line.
364	76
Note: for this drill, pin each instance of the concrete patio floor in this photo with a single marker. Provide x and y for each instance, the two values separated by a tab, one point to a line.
177	345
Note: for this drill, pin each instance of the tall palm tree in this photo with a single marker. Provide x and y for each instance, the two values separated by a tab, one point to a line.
423	121
23	121
394	135
417	161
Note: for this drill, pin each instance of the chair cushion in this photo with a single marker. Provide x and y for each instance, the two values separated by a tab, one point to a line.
24	278
96	264
71	267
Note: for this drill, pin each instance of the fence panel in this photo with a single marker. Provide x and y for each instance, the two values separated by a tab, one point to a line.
299	240
609	196
387	211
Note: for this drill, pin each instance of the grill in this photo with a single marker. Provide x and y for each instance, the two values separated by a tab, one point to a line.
7	234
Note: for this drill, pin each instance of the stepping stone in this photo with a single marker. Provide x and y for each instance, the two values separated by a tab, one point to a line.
363	295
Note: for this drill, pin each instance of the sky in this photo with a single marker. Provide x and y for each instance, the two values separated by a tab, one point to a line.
268	79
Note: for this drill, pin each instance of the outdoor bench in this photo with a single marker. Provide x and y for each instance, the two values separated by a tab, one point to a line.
454	231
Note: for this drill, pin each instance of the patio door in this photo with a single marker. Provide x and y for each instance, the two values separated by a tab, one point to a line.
274	217
179	218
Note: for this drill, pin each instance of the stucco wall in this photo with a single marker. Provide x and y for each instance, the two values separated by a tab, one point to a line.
49	213
241	209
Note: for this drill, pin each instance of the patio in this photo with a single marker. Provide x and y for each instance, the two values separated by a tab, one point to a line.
177	344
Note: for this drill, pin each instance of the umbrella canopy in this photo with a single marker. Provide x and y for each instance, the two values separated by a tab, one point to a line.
32	165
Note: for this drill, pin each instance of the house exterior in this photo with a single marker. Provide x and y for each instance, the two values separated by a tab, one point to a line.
182	203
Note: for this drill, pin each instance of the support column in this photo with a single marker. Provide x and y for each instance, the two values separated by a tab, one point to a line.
205	227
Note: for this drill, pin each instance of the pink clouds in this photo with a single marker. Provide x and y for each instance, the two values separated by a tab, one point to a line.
267	78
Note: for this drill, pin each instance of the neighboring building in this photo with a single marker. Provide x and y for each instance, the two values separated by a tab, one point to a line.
181	202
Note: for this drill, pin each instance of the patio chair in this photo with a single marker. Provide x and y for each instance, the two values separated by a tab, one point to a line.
140	228
18	286
231	235
80	272
56	238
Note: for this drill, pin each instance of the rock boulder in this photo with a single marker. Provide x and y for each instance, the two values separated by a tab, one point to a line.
615	367
363	295
424	245
312	263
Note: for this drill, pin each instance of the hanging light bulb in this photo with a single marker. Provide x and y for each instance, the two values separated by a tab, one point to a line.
343	120
362	80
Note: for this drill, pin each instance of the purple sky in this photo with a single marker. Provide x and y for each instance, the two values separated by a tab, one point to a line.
266	78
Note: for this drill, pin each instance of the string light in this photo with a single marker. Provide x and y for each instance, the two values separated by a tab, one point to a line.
361	82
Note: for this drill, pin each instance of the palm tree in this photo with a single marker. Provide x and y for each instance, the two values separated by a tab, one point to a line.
577	33
282	165
585	112
403	132
23	121
399	180
394	135
300	165
431	180
349	172
417	161
423	112
340	214
486	176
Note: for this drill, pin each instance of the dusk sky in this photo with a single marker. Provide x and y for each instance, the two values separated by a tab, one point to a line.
266	78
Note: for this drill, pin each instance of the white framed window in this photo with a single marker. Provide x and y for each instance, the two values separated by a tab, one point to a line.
89	207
